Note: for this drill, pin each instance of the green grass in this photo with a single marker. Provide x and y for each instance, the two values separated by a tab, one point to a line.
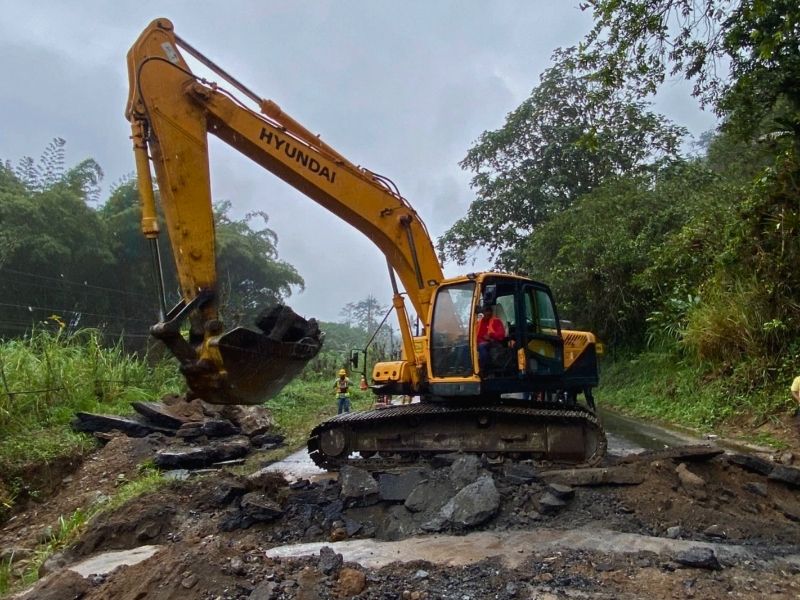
305	402
48	376
660	386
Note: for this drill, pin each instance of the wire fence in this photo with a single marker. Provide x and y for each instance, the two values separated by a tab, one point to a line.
30	300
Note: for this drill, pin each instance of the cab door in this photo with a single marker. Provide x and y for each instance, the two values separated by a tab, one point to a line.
544	348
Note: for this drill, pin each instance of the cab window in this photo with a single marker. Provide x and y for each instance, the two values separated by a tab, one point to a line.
450	331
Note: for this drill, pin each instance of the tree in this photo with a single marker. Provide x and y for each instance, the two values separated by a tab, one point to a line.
742	55
249	270
54	246
366	314
599	264
558	145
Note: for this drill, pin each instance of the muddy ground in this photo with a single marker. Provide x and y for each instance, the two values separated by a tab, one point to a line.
461	528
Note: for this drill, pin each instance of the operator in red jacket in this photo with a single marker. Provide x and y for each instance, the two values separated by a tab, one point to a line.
491	330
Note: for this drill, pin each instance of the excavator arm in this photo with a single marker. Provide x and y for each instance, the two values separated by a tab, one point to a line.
172	111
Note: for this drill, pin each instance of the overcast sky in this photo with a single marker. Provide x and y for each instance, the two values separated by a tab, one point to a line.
403	88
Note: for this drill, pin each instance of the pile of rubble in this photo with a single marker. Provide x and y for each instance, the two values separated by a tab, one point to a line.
195	434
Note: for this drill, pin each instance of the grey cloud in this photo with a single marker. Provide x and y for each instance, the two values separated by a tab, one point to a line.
403	88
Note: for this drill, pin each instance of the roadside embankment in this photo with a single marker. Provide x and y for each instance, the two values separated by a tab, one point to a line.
727	402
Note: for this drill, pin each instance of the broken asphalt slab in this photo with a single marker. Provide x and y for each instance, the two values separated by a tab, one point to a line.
513	548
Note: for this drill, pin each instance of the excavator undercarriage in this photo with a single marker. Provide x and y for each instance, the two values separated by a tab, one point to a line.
543	431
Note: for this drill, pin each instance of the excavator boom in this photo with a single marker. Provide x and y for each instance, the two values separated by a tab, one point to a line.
172	111
514	395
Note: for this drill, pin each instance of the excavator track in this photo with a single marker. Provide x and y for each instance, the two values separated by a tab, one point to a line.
548	432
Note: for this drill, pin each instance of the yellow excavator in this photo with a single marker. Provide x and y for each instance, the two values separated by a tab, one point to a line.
512	396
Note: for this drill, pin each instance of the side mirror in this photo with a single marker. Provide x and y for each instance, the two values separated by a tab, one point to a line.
354	358
489	295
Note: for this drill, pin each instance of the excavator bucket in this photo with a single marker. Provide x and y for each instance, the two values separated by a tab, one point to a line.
256	365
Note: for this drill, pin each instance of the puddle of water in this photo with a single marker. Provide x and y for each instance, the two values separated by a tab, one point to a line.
630	436
108	561
300	466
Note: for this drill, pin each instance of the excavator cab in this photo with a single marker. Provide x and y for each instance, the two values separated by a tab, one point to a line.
528	360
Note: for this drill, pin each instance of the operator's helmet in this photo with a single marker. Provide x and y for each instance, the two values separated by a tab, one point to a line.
342	373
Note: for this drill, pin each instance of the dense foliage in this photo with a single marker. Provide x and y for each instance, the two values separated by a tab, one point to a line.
68	259
558	145
688	255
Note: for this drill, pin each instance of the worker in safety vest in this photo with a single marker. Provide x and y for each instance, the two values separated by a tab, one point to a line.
342	388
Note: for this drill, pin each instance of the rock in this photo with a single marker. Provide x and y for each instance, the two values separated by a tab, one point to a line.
273	440
464	470
474	504
399	523
131	426
45	535
337	534
698	557
351	582
212	428
189	410
751	463
333	512
520	473
191	430
64	585
251	420
624	475
176	474
219	428
189	582
351	526
429	495
309	581
193	457
787	475
715	531
14	553
260	508
549	504
421	574
693	484
756	487
266	590
329	561
786	458
436	524
396	487
512	588
790	511
148	531
236	566
228	491
158	414
357	484
694	453
267	478
53	564
561	491
689	479
604	567
444	460
674	532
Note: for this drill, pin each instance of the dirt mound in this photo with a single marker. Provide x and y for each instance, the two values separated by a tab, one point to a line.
213	531
92	482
